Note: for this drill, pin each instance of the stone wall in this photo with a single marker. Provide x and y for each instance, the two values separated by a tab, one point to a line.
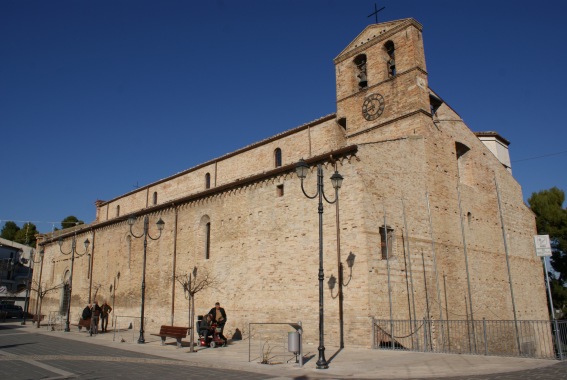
406	170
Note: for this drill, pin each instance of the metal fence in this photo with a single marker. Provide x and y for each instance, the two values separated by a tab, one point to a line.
55	321
126	328
532	339
268	342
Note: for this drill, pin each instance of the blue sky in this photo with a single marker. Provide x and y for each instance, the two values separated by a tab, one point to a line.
97	97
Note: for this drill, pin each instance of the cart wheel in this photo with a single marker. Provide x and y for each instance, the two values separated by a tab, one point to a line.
213	344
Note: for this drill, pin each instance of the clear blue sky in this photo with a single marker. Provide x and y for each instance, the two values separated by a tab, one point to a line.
98	96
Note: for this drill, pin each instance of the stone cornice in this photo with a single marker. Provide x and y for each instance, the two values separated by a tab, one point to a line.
417	112
83	228
224	157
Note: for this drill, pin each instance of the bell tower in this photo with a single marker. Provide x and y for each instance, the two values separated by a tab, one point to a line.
381	77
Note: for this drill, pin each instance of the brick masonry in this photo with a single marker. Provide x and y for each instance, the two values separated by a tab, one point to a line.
264	245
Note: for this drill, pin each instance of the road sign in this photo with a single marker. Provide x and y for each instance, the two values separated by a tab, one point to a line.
542	245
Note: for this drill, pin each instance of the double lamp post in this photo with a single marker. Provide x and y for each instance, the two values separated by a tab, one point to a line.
302	168
72	252
145	234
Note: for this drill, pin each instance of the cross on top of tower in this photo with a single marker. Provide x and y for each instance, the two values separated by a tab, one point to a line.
375	13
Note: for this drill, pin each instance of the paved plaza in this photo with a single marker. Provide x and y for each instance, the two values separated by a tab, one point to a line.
30	353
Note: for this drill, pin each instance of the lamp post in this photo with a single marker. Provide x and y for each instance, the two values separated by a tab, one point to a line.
113	290
28	282
336	179
72	252
160	223
333	282
41	254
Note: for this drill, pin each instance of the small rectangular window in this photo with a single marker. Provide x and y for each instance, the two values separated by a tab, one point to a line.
280	191
386	240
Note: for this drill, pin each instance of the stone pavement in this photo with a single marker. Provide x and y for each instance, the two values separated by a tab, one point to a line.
349	363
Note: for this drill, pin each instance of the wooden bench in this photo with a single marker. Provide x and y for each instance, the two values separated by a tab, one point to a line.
172	332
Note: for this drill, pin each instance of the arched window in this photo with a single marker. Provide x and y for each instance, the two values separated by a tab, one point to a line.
117	211
278	157
155	197
360	62
205	235
207	181
391	50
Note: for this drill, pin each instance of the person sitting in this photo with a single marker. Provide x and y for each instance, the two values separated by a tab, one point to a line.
219	317
205	326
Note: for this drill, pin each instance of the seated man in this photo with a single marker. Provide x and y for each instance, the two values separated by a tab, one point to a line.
205	326
219	317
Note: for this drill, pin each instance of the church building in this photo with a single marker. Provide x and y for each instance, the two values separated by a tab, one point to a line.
429	223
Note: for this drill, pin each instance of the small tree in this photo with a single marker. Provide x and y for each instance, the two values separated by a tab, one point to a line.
192	284
9	231
25	235
70	221
41	293
551	219
96	288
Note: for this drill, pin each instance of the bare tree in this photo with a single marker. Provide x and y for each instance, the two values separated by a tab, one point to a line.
192	284
41	293
96	289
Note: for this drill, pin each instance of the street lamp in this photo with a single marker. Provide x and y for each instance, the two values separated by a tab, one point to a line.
28	281
72	252
301	169
160	223
41	254
113	290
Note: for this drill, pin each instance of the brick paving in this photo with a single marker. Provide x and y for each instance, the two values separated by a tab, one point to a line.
26	353
39	356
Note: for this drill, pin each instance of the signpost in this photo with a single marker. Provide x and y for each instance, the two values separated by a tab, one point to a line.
543	250
542	246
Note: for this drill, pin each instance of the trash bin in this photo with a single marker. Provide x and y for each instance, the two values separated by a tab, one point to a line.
293	341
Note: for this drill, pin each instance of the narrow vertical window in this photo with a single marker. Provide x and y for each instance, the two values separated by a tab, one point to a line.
386	239
207	181
65	295
391	50
280	191
155	197
207	240
278	157
360	62
118	211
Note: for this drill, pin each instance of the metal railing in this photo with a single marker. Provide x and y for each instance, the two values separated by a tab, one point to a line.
532	339
268	342
126	328
55	321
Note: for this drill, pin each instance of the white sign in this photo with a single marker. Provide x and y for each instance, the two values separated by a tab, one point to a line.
542	245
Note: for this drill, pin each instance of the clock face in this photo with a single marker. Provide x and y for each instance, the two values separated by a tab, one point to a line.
373	106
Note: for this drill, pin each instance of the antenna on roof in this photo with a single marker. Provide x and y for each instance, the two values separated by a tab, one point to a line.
375	13
136	186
